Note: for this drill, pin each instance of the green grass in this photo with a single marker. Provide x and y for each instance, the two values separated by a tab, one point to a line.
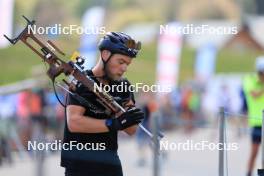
17	62
230	61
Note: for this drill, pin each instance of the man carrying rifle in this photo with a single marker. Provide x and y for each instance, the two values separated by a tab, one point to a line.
90	135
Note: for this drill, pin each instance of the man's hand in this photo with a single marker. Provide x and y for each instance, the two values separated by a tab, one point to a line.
131	117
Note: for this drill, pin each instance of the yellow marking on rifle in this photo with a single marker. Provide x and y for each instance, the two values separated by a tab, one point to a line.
75	55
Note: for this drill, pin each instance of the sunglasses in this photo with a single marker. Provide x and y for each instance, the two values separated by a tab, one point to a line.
133	45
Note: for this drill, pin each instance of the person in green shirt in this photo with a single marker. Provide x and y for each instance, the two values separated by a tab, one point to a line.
253	87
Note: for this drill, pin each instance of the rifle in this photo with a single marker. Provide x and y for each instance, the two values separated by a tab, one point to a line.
57	66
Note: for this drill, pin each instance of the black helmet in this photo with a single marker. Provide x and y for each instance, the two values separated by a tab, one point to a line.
118	42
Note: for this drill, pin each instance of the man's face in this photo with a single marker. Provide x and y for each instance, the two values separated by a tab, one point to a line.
117	66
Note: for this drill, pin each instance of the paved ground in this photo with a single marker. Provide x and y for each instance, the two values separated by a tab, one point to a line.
178	163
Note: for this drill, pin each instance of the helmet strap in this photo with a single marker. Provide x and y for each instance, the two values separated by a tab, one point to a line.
105	76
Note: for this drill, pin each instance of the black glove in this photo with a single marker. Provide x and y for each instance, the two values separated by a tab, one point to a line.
131	117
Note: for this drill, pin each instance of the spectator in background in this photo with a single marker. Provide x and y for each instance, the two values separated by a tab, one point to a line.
148	105
188	105
54	112
253	87
7	129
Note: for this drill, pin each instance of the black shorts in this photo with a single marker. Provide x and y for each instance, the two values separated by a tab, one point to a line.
256	135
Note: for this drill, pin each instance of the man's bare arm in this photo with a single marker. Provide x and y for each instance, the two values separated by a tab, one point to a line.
78	123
